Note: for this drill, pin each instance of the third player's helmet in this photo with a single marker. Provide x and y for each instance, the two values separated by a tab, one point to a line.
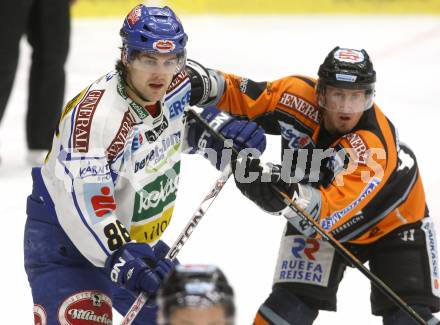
196	286
153	30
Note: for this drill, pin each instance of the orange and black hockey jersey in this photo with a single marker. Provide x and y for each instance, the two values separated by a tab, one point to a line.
378	190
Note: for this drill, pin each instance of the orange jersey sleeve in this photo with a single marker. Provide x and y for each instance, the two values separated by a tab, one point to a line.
293	95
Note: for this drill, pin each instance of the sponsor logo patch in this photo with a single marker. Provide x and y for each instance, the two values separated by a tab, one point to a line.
138	140
40	316
69	106
346	77
178	106
153	230
158	155
140	111
305	108
152	135
118	141
164	46
83	120
99	200
346	227
350	56
304	260
86	308
296	138
72	103
177	80
154	197
359	147
91	170
330	221
134	16
431	243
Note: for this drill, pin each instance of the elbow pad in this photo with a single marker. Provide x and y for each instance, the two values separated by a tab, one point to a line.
207	85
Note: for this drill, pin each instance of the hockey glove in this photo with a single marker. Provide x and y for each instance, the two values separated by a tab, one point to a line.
244	134
259	183
136	268
161	249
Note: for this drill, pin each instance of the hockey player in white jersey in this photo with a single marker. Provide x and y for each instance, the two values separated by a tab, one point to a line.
106	192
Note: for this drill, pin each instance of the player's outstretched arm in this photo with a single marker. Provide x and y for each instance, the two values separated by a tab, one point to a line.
243	134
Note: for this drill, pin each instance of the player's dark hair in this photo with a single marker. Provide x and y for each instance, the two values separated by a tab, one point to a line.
120	66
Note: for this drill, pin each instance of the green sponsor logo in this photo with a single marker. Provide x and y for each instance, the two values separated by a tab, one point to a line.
140	111
121	88
152	199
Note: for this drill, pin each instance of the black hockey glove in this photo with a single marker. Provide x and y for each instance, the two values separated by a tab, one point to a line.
257	182
260	183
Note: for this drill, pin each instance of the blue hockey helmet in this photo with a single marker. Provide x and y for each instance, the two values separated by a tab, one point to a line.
154	30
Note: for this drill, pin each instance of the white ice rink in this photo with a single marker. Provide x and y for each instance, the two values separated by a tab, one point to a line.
235	234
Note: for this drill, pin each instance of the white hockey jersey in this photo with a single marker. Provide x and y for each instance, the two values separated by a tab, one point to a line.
113	165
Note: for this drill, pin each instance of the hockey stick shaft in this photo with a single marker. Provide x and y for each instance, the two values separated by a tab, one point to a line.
353	260
142	299
344	252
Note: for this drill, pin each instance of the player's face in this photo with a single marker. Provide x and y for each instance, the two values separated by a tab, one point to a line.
151	74
343	108
214	315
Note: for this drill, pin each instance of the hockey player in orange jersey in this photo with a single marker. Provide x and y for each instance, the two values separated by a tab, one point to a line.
343	163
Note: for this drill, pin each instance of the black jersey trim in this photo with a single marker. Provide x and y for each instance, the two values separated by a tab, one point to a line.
308	81
252	89
269	123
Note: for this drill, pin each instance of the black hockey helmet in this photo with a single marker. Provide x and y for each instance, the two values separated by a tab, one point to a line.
347	68
195	286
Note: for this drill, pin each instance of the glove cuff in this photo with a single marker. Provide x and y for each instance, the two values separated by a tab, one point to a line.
308	199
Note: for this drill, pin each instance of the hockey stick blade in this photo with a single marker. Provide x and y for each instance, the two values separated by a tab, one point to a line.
142	299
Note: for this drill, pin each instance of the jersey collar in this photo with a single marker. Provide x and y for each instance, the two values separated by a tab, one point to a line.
139	113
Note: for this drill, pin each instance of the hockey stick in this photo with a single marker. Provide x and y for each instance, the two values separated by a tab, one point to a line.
344	252
142	299
353	260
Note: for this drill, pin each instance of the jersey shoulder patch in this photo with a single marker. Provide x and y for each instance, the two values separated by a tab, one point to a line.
83	119
361	145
